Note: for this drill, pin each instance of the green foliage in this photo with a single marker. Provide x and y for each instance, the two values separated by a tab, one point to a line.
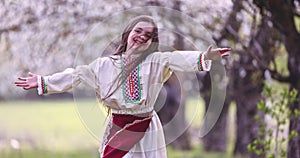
297	23
275	105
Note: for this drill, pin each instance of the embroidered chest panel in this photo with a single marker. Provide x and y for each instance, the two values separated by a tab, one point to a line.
132	85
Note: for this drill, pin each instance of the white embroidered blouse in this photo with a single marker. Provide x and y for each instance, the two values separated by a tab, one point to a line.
101	74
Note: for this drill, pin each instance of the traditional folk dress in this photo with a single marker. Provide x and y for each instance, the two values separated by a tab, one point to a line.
134	129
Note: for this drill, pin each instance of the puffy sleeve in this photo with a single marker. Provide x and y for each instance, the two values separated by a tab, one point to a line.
188	61
184	61
65	80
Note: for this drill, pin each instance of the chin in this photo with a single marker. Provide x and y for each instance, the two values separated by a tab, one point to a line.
139	47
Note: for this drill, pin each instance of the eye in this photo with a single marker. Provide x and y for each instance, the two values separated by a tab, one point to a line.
148	35
137	31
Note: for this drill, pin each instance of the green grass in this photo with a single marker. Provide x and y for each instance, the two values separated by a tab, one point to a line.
53	129
48	125
196	152
48	154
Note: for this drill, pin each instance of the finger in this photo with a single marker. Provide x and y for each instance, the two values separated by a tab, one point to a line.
22	78
20	82
224	50
209	48
30	74
21	85
27	88
225	54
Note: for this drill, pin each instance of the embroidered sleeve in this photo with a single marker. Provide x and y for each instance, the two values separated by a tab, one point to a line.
203	65
42	85
188	61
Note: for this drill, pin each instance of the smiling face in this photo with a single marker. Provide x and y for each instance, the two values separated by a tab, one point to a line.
136	35
140	37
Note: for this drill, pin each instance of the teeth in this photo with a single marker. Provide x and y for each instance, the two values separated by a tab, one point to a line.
138	41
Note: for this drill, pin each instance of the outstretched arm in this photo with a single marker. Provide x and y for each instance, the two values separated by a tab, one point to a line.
61	81
189	61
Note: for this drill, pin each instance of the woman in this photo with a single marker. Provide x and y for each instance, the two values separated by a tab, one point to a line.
128	83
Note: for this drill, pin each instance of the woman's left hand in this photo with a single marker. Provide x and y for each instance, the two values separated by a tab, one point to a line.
216	54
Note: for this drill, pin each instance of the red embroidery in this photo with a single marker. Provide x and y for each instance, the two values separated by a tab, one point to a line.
131	84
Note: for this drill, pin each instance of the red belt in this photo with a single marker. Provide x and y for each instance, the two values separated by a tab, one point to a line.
125	132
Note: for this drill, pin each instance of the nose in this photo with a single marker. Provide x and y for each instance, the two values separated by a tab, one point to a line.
143	37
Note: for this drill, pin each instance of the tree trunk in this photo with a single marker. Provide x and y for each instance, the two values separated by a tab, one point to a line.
248	86
172	115
292	45
248	83
216	139
247	129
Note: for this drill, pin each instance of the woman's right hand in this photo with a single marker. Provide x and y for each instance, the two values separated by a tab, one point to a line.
28	82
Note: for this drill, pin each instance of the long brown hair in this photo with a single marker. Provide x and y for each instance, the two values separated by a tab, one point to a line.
121	49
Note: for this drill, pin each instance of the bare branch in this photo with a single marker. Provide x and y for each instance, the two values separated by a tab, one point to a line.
15	27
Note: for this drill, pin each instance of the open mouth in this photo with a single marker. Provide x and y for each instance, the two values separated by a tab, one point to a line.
139	41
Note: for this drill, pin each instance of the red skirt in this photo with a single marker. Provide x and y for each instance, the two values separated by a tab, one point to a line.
125	132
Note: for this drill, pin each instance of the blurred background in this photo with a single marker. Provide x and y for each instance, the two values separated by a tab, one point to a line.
260	116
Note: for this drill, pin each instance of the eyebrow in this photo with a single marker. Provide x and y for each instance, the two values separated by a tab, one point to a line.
143	29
